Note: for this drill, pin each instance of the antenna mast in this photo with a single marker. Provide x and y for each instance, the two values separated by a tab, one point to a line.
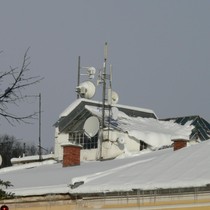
104	97
78	77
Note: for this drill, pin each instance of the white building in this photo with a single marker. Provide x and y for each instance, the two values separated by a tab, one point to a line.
127	130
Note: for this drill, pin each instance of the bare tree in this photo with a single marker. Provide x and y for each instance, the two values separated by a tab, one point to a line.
13	82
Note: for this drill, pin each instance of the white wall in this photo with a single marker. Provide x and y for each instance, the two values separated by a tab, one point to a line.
88	154
115	143
119	143
60	138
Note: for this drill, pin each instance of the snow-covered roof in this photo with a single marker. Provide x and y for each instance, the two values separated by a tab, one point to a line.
187	167
76	114
201	126
72	106
152	131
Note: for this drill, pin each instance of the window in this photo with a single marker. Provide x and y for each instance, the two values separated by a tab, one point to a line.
79	137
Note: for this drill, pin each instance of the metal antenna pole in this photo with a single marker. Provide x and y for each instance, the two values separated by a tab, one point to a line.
78	77
104	97
40	149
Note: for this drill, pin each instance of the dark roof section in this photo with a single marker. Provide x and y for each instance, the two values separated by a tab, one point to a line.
202	127
76	118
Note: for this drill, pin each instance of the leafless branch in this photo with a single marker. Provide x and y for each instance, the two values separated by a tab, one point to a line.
13	90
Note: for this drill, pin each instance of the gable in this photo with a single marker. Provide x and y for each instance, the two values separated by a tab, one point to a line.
74	116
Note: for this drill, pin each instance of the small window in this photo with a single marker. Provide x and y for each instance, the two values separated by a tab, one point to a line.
143	146
83	140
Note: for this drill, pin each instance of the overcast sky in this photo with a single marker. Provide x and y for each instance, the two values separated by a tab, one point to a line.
159	50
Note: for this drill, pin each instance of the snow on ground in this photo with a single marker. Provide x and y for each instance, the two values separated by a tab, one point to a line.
186	167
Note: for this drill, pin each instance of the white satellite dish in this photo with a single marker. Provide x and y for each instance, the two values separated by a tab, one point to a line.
115	97
90	72
0	160
91	126
114	112
121	140
112	97
86	90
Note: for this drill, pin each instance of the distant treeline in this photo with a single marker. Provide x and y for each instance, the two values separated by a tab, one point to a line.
10	148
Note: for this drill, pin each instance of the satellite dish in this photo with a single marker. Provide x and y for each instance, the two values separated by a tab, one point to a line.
86	90
91	72
114	112
115	97
121	140
0	160
112	96
91	126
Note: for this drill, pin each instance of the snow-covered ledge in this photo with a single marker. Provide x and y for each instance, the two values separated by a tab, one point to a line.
30	159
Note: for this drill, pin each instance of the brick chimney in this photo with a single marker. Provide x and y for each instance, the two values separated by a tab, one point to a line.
179	143
71	154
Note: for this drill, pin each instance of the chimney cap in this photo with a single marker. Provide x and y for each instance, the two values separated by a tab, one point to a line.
180	139
71	144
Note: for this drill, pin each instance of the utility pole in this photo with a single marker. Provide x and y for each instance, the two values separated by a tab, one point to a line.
40	148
